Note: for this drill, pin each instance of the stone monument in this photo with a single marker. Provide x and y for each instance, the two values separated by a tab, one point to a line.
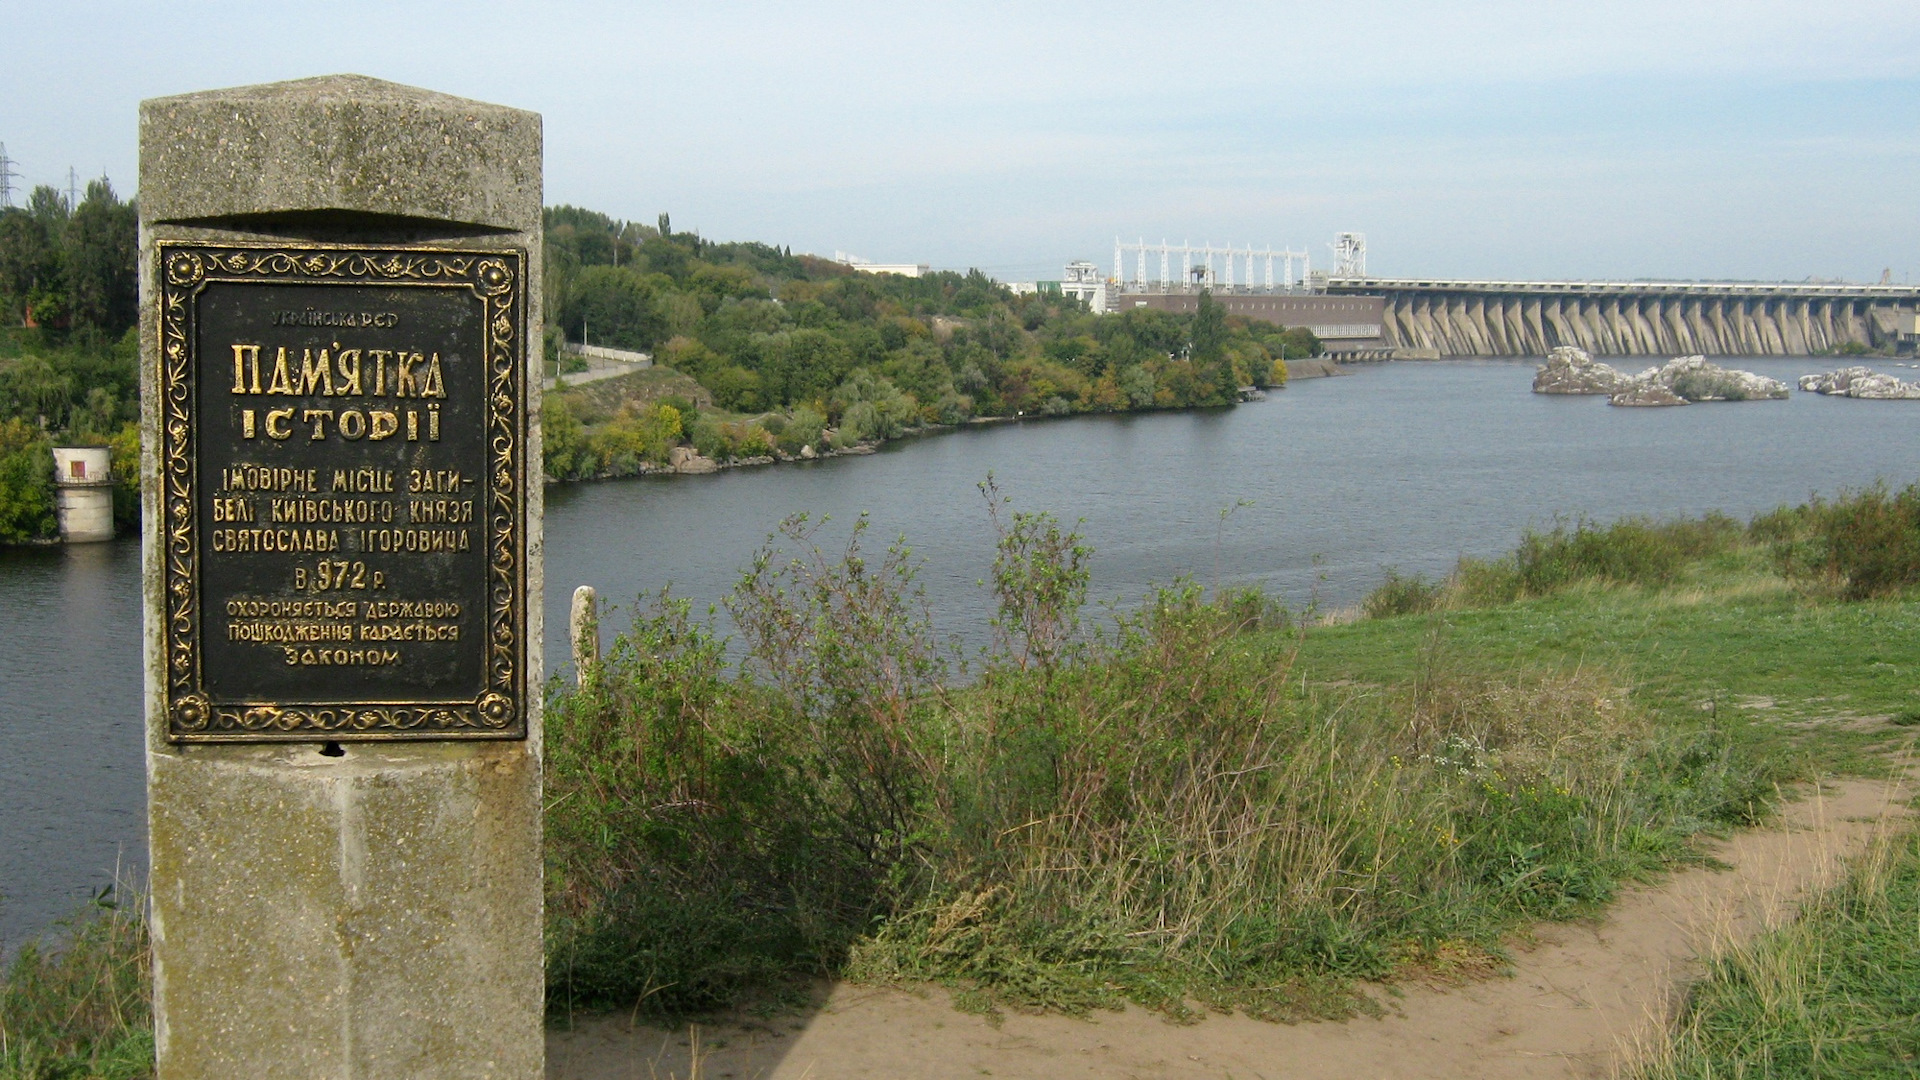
340	279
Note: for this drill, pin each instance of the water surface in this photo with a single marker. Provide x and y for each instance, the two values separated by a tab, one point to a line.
1327	482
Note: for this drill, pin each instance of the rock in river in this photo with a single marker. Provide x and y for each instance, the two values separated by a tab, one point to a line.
1570	370
1860	382
1686	379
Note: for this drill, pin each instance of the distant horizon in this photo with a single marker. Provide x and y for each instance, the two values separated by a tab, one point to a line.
1753	141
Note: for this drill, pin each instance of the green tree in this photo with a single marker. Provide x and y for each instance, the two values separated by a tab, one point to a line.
26	483
102	250
564	441
1208	338
613	306
29	261
38	389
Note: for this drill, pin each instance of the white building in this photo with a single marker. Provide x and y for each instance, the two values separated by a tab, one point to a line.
1083	282
865	267
83	482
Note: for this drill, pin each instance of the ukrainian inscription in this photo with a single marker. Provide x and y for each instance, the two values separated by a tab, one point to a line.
343	460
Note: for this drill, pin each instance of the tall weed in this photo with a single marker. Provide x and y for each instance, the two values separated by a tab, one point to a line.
78	1006
1865	543
1631	551
1155	812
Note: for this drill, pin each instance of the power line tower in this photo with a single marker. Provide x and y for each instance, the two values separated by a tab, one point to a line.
73	189
1349	254
7	177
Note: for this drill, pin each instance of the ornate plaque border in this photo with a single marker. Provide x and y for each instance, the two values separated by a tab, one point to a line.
497	278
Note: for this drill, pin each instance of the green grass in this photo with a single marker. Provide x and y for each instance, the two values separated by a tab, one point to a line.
1835	994
1760	639
76	1007
1207	806
1181	813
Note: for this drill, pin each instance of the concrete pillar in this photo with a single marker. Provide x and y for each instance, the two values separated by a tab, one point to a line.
1600	315
1476	326
1646	333
1772	341
584	629
1741	309
1554	326
349	901
83	490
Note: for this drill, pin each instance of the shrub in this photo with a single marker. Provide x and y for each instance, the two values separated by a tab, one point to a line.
1398	595
730	440
1631	551
634	436
1867	542
1484	582
803	428
871	407
564	441
1149	813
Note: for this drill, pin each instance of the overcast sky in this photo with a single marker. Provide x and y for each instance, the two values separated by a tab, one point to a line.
1508	139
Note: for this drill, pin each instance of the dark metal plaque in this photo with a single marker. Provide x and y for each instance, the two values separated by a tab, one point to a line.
342	467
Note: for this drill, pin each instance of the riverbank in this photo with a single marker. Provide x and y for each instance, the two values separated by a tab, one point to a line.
1314	368
1404	465
1596	724
662	422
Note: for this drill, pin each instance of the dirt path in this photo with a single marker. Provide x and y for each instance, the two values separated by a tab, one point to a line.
1575	997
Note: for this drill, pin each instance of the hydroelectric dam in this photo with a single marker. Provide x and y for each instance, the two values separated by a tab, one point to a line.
1441	318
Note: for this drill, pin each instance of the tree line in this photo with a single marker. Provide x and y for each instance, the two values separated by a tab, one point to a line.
69	353
784	341
791	350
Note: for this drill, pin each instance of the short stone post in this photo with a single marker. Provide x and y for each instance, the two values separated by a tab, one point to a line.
585	625
340	283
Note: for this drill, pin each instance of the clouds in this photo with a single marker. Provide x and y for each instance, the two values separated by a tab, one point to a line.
1712	140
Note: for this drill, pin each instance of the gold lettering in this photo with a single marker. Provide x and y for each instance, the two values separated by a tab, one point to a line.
277	421
433	422
241	353
281	382
232	509
379	371
247	477
413	426
383	424
313	375
353	424
318	418
246	423
349	375
432	386
403	381
365	480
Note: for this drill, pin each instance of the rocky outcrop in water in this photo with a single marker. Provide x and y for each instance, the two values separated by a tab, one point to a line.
1687	379
1639	394
1860	382
1569	370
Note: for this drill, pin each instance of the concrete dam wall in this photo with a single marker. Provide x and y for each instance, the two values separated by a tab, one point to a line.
1608	318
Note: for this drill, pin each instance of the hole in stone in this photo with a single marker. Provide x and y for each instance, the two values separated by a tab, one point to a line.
333	749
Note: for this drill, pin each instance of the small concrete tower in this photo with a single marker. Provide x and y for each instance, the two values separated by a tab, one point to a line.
84	477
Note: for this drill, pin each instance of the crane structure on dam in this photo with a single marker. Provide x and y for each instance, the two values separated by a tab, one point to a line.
1362	316
1185	267
1442	317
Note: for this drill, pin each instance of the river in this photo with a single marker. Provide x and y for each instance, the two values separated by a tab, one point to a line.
1308	494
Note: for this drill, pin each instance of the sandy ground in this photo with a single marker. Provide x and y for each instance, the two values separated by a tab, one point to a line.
1578	995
